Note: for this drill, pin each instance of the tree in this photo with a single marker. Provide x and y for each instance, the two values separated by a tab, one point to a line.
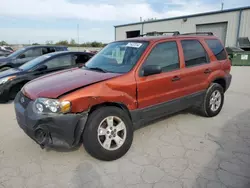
3	43
73	42
96	44
63	42
35	43
49	42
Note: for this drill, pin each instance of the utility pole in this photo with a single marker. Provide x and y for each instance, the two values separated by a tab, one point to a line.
78	41
222	5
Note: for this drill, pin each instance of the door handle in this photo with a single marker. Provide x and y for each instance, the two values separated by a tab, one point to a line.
207	71
175	78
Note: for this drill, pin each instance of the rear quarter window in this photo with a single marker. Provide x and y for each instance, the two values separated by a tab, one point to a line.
217	49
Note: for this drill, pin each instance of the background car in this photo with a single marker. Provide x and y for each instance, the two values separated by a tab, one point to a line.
4	53
26	54
7	48
12	80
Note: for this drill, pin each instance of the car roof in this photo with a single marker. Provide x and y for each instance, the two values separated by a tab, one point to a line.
162	37
44	46
66	52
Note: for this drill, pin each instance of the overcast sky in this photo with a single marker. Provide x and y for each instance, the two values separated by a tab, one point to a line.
24	21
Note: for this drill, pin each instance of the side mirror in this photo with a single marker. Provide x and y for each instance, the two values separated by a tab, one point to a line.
151	69
41	68
22	56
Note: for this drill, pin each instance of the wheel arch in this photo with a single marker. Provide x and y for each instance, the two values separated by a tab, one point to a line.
114	104
220	81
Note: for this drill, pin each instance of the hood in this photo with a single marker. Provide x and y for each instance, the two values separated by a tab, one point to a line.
56	84
9	72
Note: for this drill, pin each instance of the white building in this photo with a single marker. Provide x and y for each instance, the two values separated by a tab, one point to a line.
228	25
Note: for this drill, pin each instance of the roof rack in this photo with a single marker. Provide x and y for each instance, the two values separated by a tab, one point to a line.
199	33
156	33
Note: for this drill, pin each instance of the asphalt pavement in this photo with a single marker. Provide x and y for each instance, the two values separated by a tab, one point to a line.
182	151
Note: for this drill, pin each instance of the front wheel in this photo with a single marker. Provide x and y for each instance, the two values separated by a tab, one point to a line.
108	134
14	90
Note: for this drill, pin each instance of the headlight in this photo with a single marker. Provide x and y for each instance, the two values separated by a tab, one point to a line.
44	105
6	79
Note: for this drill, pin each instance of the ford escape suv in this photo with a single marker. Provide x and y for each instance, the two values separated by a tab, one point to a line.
125	85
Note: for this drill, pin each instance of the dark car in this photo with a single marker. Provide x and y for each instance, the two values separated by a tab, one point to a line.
124	86
26	54
12	80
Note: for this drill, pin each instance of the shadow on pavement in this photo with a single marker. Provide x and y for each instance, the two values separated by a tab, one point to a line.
228	166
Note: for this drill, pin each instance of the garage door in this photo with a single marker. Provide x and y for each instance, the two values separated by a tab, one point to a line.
219	29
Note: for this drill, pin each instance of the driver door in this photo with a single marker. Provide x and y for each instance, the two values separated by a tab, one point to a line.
158	93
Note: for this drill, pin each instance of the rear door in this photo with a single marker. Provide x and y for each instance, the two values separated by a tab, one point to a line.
81	59
156	93
198	66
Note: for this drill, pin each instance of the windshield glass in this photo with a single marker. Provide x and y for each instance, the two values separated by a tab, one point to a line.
17	53
118	57
34	62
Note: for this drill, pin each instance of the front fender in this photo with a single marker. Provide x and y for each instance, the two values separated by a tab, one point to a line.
116	90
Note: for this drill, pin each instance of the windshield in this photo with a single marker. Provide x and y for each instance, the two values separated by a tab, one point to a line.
17	53
29	65
117	57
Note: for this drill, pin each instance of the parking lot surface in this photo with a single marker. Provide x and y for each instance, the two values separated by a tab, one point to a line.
182	151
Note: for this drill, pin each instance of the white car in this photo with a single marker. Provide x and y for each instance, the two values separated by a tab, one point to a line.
7	48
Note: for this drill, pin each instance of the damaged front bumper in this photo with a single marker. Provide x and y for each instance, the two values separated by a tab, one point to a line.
49	130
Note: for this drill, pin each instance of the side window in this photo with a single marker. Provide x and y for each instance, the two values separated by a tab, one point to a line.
35	52
58	62
165	55
194	53
81	59
217	49
45	51
50	50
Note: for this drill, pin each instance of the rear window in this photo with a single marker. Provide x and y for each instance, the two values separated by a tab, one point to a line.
217	49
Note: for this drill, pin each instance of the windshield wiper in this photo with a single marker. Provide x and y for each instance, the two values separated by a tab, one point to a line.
96	68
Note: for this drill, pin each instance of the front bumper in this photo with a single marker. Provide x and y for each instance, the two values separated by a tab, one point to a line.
49	130
4	91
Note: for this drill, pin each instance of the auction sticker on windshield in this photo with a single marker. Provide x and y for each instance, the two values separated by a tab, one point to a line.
134	45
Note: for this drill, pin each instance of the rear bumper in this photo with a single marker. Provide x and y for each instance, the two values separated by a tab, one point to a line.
228	79
49	130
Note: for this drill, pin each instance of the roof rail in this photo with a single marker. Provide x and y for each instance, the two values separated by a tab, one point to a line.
157	33
199	33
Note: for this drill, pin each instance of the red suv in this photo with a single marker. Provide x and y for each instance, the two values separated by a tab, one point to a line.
122	87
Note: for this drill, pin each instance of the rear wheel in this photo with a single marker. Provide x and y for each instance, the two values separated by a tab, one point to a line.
108	134
213	101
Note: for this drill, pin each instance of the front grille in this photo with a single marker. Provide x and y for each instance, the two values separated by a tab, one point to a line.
24	101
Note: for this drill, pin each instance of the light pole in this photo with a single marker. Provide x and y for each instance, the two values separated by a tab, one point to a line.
78	41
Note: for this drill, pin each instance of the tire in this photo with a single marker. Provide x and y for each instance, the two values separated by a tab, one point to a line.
206	108
4	69
95	143
14	90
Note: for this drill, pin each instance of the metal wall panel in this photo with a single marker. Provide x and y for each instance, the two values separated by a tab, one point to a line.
218	29
189	25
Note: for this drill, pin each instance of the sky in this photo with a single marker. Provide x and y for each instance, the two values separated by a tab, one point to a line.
38	21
